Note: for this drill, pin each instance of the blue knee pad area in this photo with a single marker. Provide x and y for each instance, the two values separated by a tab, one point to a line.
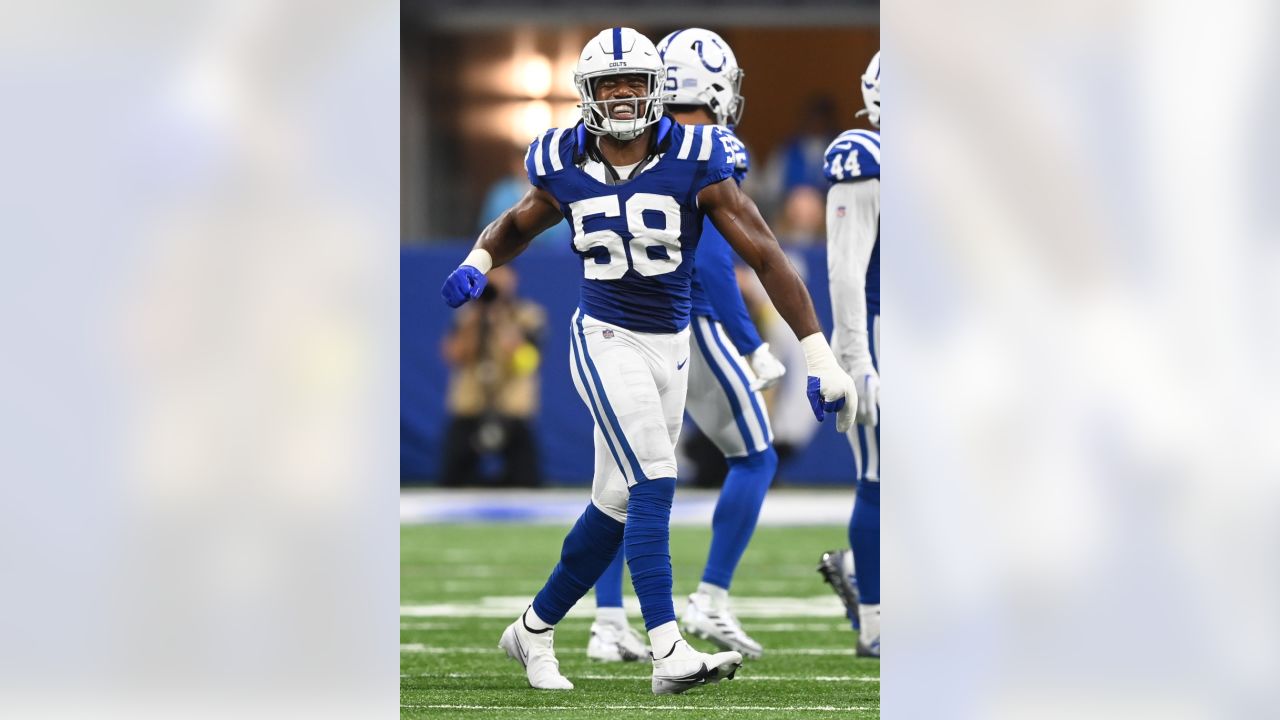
648	548
588	549
737	510
864	540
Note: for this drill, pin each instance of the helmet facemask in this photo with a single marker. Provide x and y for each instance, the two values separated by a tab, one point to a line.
597	115
871	92
732	115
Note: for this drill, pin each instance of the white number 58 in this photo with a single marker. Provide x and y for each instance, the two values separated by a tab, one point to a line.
642	239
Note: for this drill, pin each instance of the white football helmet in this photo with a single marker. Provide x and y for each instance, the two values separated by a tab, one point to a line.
619	51
702	70
871	91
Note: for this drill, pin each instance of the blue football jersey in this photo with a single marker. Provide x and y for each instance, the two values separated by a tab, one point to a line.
853	156
636	238
710	236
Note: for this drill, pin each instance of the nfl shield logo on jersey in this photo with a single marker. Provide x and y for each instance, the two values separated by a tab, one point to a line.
607	333
840	211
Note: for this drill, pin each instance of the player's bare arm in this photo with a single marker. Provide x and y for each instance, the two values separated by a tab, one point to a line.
499	243
736	217
511	233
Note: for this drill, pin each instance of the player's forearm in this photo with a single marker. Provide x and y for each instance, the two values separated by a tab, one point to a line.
788	294
849	323
846	280
503	239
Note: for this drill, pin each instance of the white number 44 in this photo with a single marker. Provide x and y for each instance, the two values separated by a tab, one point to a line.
849	166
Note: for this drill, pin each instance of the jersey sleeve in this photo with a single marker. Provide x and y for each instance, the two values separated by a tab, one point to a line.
853	231
714	262
529	164
545	155
738	155
716	161
853	156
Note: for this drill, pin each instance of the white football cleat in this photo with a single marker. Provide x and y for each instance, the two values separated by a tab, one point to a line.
869	632
713	622
869	649
613	643
684	667
535	653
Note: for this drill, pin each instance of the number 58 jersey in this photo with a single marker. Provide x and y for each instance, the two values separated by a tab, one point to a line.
636	237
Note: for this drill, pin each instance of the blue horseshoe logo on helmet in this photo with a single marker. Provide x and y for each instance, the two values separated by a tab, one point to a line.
697	45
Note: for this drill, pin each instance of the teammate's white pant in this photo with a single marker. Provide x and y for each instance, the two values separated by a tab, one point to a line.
864	440
721	400
634	385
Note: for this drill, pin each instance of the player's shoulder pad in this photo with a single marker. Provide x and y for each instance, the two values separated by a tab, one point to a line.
702	143
550	153
738	152
707	149
854	155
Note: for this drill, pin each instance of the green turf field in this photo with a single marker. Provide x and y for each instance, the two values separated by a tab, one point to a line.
458	583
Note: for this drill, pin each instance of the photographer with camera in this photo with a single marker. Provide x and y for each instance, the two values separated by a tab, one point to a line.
493	353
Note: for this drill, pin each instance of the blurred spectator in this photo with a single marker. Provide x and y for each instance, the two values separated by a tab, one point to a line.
493	387
797	162
506	192
803	219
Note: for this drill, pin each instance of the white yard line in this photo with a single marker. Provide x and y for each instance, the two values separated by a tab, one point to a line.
754	627
663	708
509	606
641	678
437	650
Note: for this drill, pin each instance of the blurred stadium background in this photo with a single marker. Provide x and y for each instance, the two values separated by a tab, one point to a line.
479	80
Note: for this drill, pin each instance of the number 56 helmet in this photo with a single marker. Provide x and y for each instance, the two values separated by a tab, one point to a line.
702	70
619	51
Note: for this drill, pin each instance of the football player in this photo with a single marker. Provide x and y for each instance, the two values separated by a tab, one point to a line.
635	186
729	365
853	264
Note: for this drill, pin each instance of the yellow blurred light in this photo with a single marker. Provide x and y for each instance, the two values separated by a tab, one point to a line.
567	114
533	75
531	119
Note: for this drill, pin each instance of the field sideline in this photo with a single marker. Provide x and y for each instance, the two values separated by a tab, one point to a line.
461	584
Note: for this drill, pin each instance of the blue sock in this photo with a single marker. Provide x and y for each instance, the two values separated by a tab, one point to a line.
587	551
648	547
609	586
864	540
736	513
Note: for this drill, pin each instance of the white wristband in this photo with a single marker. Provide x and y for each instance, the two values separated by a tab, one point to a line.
817	353
479	259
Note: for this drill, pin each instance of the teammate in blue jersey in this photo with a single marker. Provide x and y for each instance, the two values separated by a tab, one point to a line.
853	264
636	186
729	366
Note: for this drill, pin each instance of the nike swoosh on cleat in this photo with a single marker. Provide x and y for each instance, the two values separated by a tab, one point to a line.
524	655
700	676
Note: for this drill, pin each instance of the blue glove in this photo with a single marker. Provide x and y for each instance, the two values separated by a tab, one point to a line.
821	407
465	283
